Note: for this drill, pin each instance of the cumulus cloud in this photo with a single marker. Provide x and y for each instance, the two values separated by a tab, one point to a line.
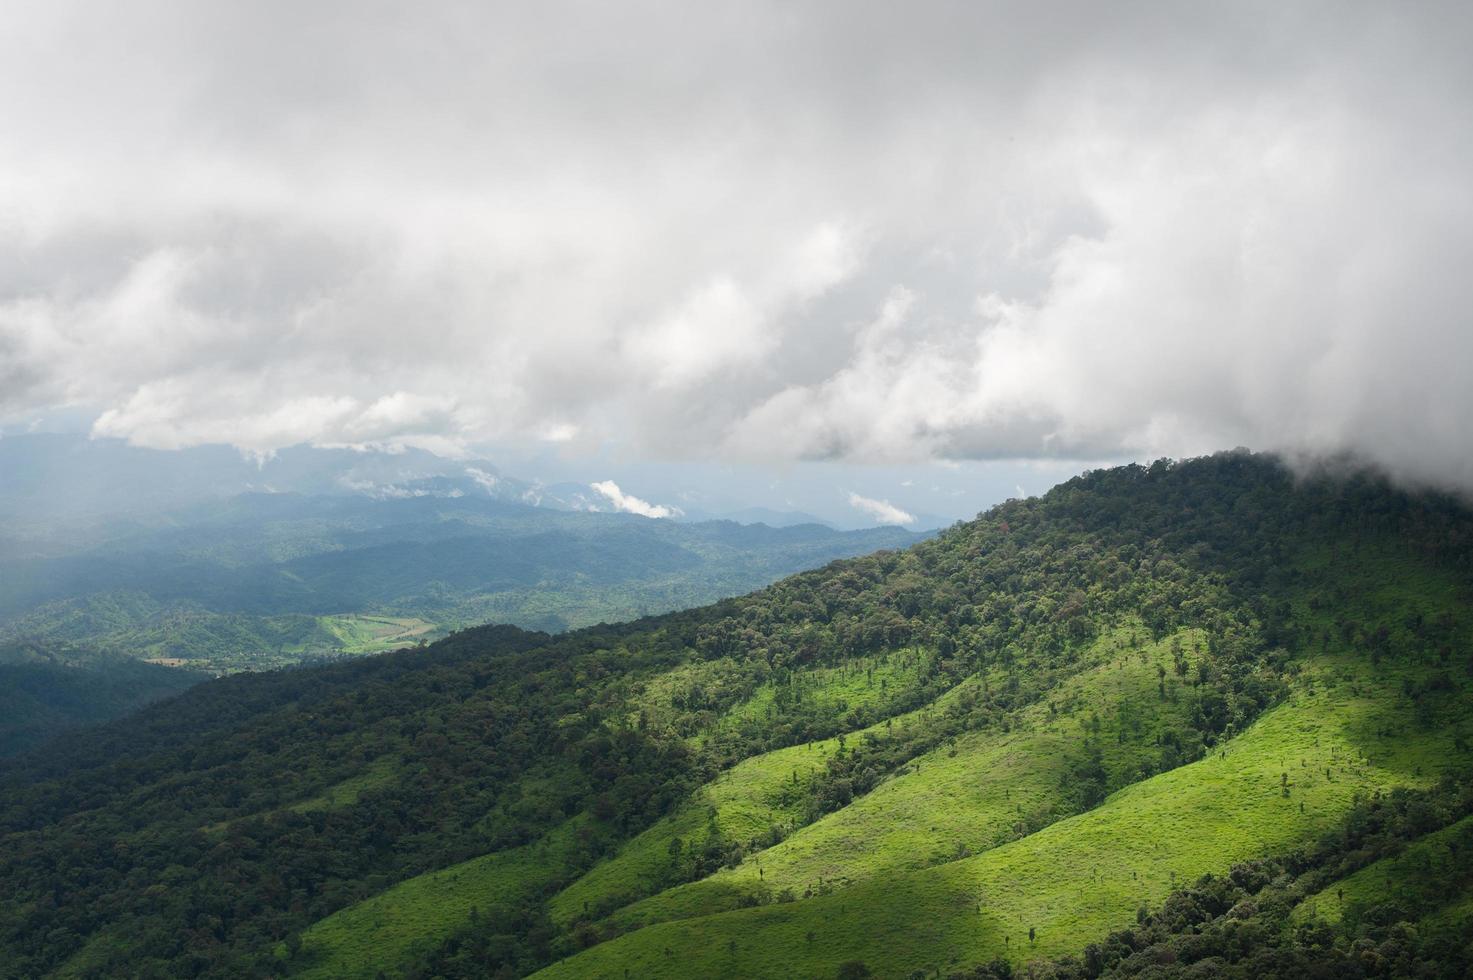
842	231
630	504
881	510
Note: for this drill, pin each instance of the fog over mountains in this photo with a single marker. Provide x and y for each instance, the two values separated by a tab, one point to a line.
49	477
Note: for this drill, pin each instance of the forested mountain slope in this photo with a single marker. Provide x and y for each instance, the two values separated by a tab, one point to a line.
1023	741
43	692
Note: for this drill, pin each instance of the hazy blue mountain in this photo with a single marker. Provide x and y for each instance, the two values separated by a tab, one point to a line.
762	515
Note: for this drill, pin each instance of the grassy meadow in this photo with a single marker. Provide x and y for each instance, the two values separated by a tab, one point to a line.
1265	791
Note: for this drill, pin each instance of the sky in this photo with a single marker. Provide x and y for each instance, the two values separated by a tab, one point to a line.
830	249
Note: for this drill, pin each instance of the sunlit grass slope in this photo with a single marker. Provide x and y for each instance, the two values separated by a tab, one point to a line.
888	879
1266	791
747	803
982	790
1415	880
743	804
364	633
760	799
866	684
393	929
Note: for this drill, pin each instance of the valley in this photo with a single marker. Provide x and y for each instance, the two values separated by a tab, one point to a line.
259	583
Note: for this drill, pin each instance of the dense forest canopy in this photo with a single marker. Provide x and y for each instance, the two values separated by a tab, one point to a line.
238	829
43	692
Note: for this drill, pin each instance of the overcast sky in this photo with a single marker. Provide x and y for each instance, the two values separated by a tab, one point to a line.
744	234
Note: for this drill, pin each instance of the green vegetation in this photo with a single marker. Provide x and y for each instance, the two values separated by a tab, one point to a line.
1097	731
860	688
393	930
377	634
1433	875
375	775
262	583
754	802
1083	876
44	692
1255	921
134	624
184	634
346	793
1057	736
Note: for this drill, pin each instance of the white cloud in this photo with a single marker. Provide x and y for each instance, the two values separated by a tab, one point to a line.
863	232
881	510
559	432
630	504
717	327
487	481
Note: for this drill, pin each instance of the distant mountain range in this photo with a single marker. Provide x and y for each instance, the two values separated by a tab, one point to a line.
46	479
201	558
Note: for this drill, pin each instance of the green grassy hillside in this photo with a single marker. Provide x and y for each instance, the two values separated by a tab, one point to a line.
1288	779
1432	879
1352	726
1076	880
976	791
1026	740
393	930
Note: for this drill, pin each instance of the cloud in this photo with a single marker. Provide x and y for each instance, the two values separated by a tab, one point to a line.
630	504
881	510
486	481
846	231
390	491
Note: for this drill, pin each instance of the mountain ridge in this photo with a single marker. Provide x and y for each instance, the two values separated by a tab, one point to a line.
1251	594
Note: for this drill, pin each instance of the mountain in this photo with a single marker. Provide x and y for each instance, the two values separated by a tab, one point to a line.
760	515
262	580
208	558
1208	718
45	692
46	478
